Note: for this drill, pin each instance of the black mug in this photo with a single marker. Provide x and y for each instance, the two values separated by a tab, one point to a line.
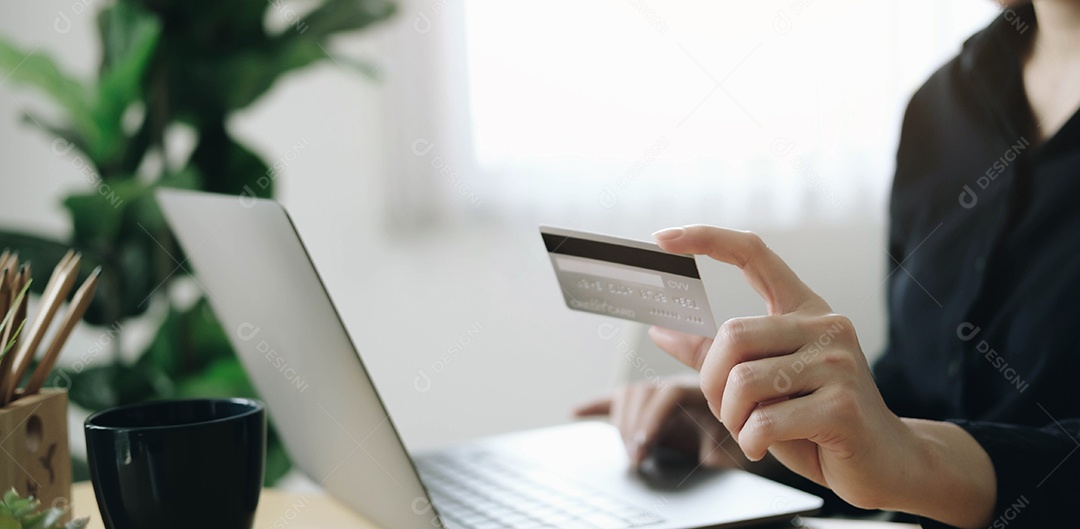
180	463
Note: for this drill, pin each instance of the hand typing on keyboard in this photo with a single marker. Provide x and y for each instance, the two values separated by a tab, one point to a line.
670	413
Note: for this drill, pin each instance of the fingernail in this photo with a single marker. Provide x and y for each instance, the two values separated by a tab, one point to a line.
668	234
637	448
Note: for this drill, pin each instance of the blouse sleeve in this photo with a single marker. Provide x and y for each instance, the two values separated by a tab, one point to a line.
1037	471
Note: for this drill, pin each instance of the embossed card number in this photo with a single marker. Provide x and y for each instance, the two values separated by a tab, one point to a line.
629	279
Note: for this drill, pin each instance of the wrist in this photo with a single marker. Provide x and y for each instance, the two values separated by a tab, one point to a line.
950	479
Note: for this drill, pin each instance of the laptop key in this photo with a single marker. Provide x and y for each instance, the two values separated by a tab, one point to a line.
513	494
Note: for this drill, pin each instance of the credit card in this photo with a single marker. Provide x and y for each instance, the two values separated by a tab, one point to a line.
628	279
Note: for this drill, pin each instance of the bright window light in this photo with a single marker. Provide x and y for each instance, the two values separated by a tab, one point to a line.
781	111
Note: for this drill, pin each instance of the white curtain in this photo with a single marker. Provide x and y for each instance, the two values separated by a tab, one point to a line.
625	115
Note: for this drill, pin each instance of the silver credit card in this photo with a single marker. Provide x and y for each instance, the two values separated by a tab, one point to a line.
629	279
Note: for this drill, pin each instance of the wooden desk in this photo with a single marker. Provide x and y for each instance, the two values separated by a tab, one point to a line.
319	511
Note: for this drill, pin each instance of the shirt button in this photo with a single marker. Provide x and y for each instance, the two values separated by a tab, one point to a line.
954	367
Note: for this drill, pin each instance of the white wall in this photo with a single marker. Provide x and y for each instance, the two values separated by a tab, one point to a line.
412	303
31	176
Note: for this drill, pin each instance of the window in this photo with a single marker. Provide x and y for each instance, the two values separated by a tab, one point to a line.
609	112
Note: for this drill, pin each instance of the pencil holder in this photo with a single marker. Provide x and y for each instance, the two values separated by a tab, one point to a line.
34	455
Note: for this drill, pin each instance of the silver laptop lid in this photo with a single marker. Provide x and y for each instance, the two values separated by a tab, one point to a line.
264	288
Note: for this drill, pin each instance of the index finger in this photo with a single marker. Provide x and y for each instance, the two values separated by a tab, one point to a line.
595	408
766	272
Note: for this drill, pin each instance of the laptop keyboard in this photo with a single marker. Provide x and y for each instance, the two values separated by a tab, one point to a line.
483	490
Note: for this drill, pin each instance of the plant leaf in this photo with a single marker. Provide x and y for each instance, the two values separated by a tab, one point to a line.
14	337
98	387
43	252
224	377
335	16
91	388
97	215
129	37
34	521
63	133
245	76
52	516
11	314
38	70
23	506
228	167
366	68
122	28
277	459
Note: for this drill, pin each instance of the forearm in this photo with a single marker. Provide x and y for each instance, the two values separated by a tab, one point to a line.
951	478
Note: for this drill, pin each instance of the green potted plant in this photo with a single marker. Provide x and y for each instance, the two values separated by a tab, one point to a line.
26	513
164	63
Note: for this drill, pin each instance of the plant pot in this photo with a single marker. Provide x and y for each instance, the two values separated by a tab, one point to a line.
34	454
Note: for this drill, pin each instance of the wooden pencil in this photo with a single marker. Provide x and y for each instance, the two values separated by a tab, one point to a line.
76	309
58	288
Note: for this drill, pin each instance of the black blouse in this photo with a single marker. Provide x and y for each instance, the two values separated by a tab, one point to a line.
984	289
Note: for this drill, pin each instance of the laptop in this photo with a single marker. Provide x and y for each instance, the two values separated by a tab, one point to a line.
265	290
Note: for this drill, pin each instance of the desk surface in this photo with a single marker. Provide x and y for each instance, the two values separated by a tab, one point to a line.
318	511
